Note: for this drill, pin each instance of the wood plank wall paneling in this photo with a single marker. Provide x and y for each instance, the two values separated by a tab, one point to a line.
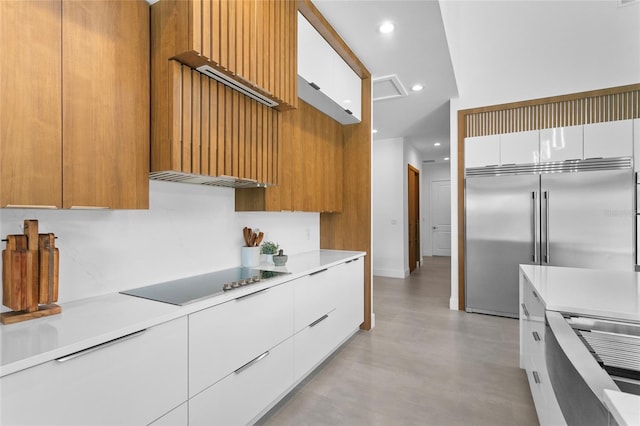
612	104
217	131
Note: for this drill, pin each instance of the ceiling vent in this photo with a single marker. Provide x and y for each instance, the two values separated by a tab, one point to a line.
388	87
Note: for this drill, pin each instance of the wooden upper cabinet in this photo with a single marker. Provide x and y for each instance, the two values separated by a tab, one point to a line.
30	108
310	166
74	104
105	103
250	41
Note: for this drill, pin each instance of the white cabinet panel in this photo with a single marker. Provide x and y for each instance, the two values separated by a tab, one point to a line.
176	417
520	147
610	139
131	381
561	143
225	337
337	86
240	397
480	151
350	302
314	343
315	295
636	144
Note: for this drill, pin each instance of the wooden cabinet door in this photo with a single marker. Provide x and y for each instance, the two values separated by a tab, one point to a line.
105	98
30	108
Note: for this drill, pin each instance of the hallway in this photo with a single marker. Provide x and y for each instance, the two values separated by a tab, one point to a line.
422	364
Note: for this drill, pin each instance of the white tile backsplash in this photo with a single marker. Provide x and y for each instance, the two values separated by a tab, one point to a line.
188	230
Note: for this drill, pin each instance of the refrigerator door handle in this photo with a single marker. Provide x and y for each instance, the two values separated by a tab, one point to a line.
534	199
547	257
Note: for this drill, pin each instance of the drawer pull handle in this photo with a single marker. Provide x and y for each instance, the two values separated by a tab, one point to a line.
315	86
252	294
319	320
536	378
524	309
536	336
100	346
318	272
535	295
250	363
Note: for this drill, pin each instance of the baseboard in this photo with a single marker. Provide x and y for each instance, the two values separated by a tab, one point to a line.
391	273
453	303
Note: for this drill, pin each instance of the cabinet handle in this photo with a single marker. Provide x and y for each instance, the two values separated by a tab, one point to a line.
315	86
319	320
318	272
536	336
535	295
252	294
100	346
250	363
30	206
536	377
348	112
524	309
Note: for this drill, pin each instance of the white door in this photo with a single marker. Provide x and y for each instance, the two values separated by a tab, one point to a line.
441	217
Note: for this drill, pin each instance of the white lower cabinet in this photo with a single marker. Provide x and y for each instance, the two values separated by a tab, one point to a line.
176	417
315	295
350	299
246	393
225	337
532	354
314	342
130	381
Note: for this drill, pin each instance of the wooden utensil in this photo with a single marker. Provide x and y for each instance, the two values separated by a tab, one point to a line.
18	290
259	239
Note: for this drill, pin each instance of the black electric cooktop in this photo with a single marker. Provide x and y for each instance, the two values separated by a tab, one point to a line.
192	289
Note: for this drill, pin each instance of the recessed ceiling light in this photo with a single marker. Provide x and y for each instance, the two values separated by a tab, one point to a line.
417	87
386	27
436	144
374	131
446	158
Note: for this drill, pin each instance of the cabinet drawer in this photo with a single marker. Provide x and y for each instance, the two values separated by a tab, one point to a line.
561	143
130	381
314	342
480	151
225	337
241	396
520	147
315	295
533	305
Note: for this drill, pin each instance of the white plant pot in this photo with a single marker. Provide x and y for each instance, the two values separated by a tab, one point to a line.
250	256
269	258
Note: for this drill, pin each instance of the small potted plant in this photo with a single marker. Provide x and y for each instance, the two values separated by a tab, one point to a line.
269	248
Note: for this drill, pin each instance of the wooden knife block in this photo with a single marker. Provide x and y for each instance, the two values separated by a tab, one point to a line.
30	265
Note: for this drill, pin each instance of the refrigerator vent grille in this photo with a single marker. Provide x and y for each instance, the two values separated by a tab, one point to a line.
554	167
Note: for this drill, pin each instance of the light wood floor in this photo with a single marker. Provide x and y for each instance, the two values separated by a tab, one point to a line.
422	364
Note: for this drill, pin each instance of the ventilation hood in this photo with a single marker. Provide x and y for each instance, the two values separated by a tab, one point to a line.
225	181
236	85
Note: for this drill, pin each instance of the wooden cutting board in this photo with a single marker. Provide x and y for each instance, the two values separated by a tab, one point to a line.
19	285
48	271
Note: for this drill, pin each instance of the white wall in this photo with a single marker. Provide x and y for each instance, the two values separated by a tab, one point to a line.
510	51
387	247
430	172
188	230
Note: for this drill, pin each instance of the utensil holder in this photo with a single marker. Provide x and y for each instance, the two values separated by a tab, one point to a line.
250	257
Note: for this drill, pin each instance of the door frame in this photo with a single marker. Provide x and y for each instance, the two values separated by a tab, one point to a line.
413	207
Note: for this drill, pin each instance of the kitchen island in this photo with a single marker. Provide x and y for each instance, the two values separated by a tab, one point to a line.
545	293
237	353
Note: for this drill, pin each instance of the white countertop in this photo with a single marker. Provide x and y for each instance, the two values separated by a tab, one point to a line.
597	293
89	322
593	292
624	407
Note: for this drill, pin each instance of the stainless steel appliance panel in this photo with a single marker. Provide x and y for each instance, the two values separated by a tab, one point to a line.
587	219
501	233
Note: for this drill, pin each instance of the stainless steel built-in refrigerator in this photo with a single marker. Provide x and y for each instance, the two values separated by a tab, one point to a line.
576	213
